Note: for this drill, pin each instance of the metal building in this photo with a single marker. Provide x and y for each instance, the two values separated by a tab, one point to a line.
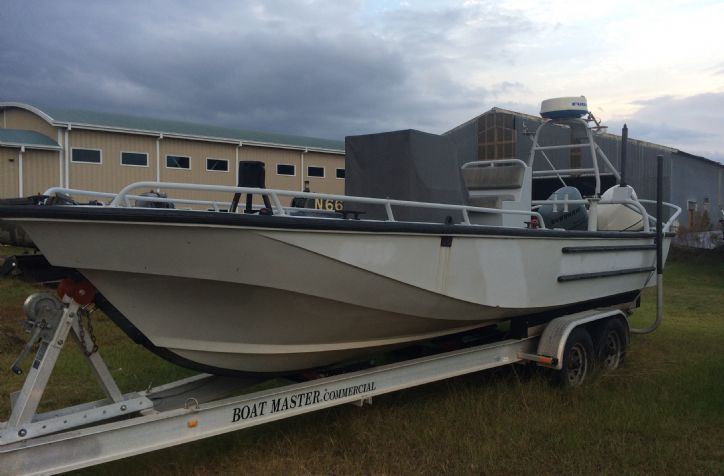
694	183
42	148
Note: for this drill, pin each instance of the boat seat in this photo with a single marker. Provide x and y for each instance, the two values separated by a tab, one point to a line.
502	184
489	201
489	184
492	178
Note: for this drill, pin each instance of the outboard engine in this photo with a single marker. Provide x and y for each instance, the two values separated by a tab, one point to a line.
619	217
567	217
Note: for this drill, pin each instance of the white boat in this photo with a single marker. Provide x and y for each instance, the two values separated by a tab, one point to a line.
288	289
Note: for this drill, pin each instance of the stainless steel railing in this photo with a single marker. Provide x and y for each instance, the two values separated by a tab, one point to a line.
123	198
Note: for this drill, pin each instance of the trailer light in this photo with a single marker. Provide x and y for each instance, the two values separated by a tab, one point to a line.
540	359
192	423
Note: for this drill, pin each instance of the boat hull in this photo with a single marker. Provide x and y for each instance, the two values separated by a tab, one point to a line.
251	298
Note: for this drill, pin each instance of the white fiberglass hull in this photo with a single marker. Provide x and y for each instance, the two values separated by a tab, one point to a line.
274	300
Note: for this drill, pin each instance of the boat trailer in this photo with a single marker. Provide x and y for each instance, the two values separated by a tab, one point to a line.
124	425
205	405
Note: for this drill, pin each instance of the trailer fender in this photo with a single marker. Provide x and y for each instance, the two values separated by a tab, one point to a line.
553	340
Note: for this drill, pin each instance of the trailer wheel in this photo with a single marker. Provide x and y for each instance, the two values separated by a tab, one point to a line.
612	345
578	358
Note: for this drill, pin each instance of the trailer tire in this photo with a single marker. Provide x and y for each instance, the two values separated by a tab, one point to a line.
578	358
611	346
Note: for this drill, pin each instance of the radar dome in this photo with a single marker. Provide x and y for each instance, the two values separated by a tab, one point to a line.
564	108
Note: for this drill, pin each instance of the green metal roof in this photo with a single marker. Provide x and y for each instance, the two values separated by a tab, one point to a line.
166	126
20	137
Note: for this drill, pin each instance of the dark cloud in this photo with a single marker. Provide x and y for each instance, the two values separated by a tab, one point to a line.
299	67
692	123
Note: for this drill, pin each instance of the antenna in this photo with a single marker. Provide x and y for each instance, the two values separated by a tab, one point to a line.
624	149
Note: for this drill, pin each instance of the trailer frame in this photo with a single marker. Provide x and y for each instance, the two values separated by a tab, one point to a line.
199	407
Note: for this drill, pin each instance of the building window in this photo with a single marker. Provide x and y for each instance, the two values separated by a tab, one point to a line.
178	162
285	169
496	136
314	171
340	173
134	159
88	156
217	165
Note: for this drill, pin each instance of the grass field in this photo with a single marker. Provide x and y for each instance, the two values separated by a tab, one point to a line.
663	412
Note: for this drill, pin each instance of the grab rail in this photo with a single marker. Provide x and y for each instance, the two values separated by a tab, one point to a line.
122	199
677	211
141	198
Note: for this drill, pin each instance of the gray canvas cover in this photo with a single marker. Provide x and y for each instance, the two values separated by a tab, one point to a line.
404	165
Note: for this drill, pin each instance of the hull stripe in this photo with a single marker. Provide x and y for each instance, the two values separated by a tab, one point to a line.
606	249
604	274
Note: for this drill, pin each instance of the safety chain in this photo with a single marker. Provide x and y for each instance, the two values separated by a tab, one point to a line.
83	311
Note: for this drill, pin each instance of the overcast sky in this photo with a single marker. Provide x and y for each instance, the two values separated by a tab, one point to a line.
330	69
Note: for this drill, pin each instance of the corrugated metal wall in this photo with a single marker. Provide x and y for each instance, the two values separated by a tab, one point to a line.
21	119
640	165
198	152
685	177
272	158
695	180
329	183
41	168
40	171
465	141
110	175
9	187
552	135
